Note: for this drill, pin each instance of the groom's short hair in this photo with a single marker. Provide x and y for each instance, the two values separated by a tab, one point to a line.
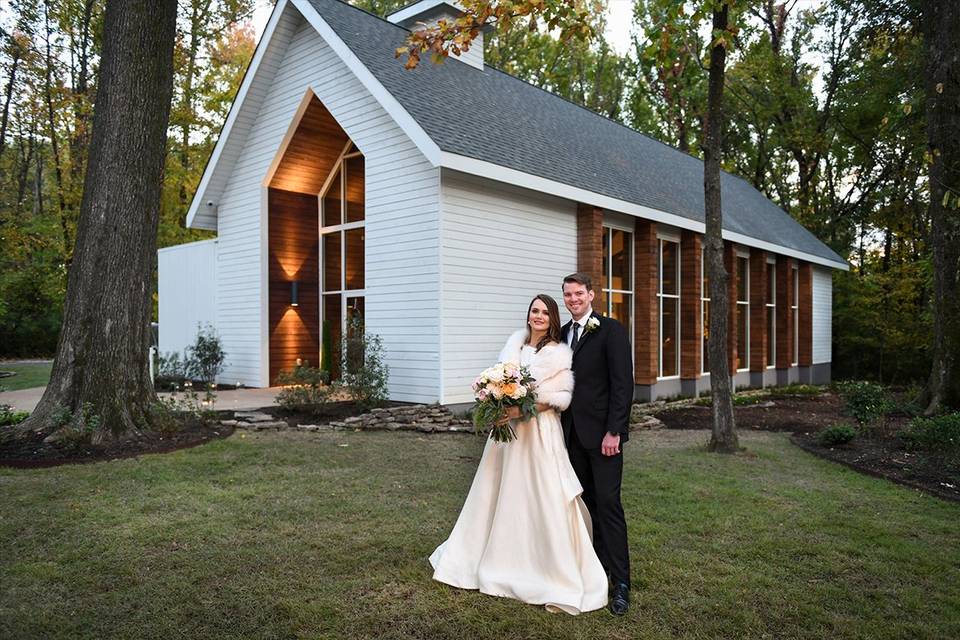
580	278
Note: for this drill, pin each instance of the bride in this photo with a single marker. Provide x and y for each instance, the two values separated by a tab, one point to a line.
524	531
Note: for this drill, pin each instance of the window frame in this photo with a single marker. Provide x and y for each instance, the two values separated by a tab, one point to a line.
337	171
661	239
771	313
741	255
608	228
795	311
704	307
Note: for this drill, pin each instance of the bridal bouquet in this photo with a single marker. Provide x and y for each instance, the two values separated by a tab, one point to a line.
506	384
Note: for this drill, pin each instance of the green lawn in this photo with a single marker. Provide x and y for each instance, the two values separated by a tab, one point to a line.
287	535
28	375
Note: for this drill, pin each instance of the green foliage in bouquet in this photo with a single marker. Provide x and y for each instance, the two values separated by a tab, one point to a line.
496	390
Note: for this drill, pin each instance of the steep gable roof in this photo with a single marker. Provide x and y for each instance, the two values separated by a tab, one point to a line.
490	123
492	116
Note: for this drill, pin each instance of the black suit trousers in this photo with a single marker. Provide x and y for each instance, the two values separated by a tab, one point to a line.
601	477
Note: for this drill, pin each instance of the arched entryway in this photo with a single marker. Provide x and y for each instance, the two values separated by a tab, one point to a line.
316	221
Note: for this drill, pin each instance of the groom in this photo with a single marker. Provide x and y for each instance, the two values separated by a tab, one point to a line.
597	423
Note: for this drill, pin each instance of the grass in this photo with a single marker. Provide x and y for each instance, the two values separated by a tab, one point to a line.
288	535
28	376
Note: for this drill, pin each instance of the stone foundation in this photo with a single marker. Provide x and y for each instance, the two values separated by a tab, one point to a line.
418	417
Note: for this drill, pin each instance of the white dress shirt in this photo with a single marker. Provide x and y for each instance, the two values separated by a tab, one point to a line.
583	325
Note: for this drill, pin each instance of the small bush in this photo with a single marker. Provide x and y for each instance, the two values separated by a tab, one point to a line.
865	401
797	390
739	400
10	417
747	400
364	372
836	434
202	361
78	427
305	389
171	370
205	356
939	434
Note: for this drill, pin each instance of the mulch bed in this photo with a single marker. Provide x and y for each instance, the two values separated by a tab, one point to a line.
788	413
32	454
881	455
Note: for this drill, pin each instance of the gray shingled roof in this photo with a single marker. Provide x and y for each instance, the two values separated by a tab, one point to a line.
492	116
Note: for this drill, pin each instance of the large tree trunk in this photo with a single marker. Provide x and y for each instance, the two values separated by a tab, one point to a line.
100	371
941	32
724	437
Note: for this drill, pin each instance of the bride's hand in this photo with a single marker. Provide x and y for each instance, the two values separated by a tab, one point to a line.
541	407
512	412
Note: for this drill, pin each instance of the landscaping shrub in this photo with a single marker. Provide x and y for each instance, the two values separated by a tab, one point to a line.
939	434
797	390
79	426
837	434
202	361
364	372
171	370
305	389
205	356
739	400
10	417
865	401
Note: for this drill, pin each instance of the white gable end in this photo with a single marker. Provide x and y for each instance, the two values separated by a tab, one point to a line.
402	212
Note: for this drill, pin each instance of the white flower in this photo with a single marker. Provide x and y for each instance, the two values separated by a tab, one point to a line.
592	324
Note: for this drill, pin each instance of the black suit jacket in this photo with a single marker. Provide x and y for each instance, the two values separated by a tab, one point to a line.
602	386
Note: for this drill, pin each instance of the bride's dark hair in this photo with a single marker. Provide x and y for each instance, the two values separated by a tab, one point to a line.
553	330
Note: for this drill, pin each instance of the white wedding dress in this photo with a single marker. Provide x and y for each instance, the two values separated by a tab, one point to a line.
524	531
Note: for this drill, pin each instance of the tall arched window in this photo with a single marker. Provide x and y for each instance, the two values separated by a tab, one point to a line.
342	228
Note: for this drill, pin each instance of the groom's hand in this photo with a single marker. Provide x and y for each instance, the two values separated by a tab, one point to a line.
610	445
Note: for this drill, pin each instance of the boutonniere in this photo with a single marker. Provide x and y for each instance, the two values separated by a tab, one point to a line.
592	325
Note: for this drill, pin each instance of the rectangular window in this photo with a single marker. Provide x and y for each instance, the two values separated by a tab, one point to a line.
668	294
616	281
795	311
705	313
771	314
743	313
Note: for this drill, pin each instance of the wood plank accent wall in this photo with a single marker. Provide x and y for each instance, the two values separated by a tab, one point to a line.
730	262
293	226
315	146
784	312
691	325
646	310
758	310
590	243
805	313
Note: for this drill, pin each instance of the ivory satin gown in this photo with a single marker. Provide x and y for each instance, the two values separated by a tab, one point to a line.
524	531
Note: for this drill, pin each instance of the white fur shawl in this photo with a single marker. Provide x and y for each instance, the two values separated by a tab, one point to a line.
550	367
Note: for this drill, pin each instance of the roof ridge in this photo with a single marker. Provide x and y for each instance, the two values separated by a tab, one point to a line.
559	97
739	188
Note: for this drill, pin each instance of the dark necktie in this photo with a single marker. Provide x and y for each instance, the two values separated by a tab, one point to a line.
576	335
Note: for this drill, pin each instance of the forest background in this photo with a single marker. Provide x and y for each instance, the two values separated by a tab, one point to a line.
826	117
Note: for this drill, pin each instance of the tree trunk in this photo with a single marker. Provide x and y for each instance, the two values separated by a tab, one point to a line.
941	33
724	437
100	381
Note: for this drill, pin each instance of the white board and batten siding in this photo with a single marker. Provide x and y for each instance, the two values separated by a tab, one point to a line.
186	282
822	314
402	228
501	245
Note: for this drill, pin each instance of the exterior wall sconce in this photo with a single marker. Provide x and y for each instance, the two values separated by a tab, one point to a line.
295	294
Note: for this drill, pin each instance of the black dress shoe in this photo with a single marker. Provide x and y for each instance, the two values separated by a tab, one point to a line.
620	601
